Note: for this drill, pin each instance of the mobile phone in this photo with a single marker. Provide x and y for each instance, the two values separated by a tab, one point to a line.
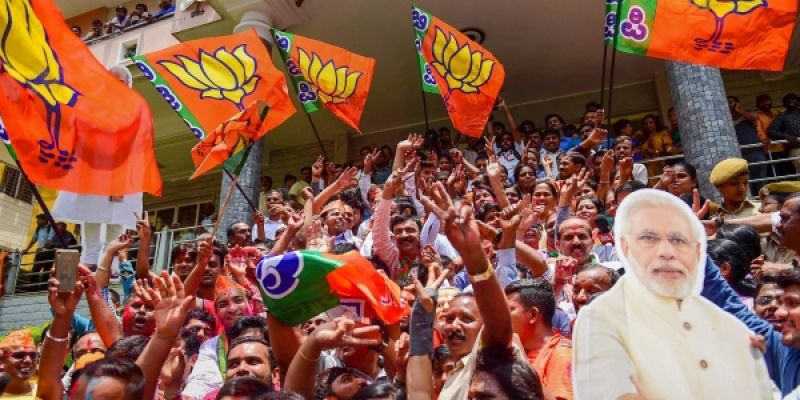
67	269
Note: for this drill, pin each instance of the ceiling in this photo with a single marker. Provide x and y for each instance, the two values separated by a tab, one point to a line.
549	49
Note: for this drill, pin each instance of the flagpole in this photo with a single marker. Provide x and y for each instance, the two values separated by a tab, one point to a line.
241	190
425	109
310	121
613	69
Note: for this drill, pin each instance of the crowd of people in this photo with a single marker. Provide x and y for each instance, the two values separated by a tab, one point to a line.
537	264
123	19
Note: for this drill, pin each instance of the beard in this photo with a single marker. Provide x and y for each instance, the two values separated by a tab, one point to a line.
673	288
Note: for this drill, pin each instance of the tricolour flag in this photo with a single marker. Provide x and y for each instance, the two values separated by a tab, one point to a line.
734	34
298	285
326	75
208	81
72	124
468	76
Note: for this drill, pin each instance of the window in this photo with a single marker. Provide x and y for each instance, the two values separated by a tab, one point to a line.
128	49
13	184
184	215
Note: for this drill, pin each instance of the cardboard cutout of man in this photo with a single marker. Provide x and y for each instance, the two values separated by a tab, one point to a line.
652	335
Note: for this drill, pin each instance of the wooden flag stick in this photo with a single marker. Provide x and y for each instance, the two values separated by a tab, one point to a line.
234	184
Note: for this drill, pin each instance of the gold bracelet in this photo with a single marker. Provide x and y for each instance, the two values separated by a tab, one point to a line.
483	276
304	357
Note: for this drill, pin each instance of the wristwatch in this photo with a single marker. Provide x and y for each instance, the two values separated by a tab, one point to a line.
483	276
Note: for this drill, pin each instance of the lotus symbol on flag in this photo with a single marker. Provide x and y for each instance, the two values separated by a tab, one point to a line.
332	84
461	68
222	76
722	9
28	58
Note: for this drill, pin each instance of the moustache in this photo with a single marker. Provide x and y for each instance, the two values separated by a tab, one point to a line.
457	335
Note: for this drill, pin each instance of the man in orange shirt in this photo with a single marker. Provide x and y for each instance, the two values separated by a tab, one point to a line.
532	304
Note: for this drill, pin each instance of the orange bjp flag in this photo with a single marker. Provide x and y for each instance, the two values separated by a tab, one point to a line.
72	124
231	137
208	81
738	34
468	76
326	75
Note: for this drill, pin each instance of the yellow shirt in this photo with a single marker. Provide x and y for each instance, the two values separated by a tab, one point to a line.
26	396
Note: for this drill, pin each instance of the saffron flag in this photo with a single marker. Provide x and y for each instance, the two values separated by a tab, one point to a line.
232	137
468	76
326	75
741	34
208	81
298	285
57	109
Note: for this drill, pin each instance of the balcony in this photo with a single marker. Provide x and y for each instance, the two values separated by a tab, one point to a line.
200	20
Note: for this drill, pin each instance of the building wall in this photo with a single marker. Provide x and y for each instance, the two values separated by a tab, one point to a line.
16	217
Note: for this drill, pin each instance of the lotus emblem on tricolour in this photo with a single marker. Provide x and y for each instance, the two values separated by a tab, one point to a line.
279	275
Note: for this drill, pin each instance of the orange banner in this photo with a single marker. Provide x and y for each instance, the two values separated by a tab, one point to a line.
208	81
324	73
468	76
72	124
229	138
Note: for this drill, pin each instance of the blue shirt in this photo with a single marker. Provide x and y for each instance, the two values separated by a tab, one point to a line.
163	11
783	362
568	142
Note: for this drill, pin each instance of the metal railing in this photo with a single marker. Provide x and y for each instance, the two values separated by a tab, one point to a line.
129	28
19	278
771	162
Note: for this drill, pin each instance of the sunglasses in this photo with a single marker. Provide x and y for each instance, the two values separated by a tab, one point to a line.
20	355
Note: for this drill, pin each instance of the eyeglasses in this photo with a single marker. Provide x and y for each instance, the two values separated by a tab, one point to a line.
767	300
20	355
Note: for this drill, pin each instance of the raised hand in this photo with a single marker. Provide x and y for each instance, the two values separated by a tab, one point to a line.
436	276
170	304
316	169
699	210
414	141
396	178
143	227
626	168
236	261
667	177
295	223
205	249
493	167
258	218
124	241
457	181
456	156
606	166
430	256
64	303
599	117
369	160
343	332
347	179
317	238
489	145
565	269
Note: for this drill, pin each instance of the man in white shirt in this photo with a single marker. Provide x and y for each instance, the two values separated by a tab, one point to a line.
652	334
